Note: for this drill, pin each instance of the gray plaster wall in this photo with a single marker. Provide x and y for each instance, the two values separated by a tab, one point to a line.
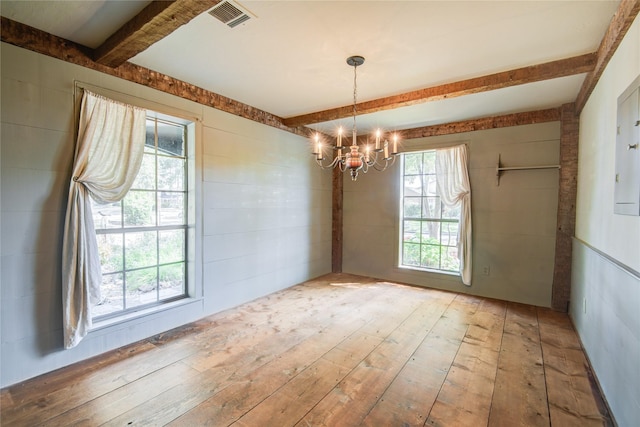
605	285
262	213
514	222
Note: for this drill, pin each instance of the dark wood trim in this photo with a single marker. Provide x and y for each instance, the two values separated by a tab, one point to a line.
620	23
507	120
567	194
550	70
27	37
337	220
152	24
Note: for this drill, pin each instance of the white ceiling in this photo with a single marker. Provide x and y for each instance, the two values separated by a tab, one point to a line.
289	59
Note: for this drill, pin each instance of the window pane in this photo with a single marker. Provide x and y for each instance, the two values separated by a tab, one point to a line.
450	233
146	178
412	207
411	254
110	249
171	208
411	231
141	286
431	207
142	262
412	186
429	162
170	138
140	249
171	280
170	173
430	256
413	164
139	208
112	296
150	140
450	259
171	246
107	215
430	237
430	184
431	232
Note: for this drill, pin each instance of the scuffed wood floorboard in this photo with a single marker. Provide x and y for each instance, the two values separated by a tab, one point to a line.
340	350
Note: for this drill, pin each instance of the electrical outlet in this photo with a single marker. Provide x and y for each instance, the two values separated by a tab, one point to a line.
485	270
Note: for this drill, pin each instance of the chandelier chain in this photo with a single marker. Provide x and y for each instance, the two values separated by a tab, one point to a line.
355	98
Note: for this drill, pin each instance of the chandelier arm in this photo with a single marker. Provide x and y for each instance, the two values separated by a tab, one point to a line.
330	165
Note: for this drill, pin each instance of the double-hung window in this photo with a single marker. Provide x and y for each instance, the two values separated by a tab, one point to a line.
142	239
428	230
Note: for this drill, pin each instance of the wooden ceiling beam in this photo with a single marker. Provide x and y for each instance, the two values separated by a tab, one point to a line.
618	27
27	37
153	23
484	123
549	70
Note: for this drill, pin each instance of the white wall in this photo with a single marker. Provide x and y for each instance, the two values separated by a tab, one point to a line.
513	224
605	298
264	209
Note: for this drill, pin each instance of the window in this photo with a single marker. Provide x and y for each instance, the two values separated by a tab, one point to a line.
142	239
428	230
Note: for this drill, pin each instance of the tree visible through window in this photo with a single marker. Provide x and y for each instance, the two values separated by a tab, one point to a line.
429	231
142	239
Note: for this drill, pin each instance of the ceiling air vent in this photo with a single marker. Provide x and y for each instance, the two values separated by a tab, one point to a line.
230	13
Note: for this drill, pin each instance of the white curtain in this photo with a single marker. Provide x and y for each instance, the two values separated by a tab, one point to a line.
454	189
111	138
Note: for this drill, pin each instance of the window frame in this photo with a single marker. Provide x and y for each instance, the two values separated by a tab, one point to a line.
157	228
400	248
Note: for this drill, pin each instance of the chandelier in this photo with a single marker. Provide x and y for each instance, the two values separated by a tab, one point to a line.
351	157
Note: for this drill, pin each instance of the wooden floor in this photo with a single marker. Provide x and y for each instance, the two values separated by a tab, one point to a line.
339	351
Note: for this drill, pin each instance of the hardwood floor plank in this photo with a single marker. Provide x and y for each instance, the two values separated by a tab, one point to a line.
340	350
573	398
108	406
409	398
465	396
45	401
520	395
253	388
248	365
260	319
351	401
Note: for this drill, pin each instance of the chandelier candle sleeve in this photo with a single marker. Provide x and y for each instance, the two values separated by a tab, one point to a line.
318	148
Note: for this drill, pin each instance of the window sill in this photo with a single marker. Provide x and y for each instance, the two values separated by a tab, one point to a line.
406	269
106	323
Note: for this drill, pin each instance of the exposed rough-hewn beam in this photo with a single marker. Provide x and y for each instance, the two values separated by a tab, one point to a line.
549	70
38	41
618	27
153	23
567	193
516	119
337	192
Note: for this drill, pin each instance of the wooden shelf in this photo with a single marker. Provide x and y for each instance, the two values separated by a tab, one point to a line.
500	169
